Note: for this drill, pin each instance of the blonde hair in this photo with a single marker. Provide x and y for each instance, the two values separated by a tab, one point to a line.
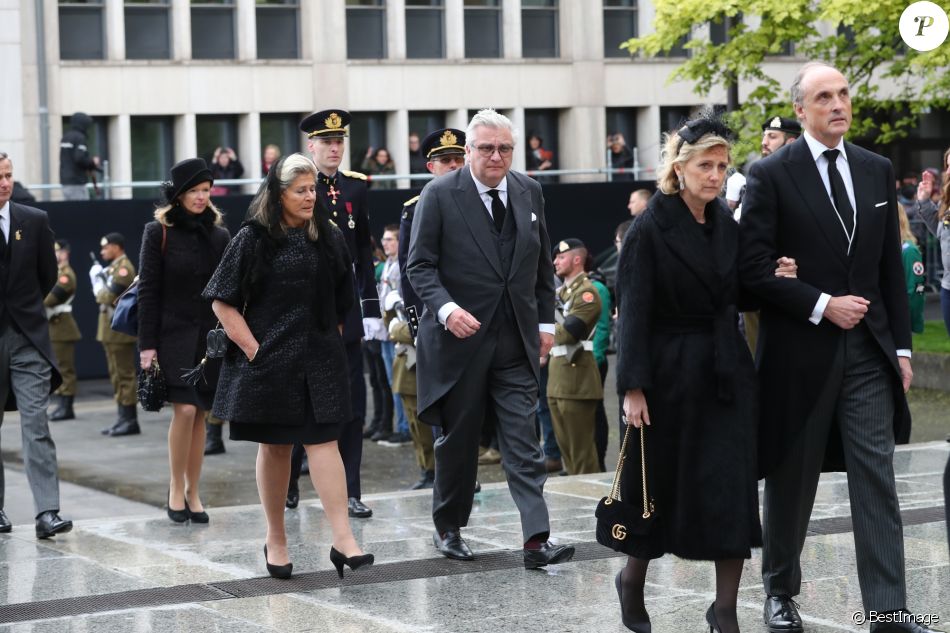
906	234
678	152
161	213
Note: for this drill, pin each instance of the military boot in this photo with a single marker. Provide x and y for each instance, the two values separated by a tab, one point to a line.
118	422
213	443
128	422
63	410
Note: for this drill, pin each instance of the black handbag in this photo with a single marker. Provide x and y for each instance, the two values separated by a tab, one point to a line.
152	388
617	520
216	344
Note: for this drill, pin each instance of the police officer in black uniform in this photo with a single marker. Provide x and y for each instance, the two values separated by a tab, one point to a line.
345	195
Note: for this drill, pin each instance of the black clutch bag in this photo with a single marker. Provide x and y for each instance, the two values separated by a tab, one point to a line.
617	520
216	344
152	388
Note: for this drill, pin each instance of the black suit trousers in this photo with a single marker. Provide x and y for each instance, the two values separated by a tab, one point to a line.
858	403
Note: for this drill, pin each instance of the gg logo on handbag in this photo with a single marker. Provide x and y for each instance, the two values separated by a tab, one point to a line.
619	532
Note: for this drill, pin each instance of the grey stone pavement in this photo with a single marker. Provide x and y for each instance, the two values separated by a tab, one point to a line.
126	567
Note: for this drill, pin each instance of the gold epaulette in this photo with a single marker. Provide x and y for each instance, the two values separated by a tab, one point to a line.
353	174
411	201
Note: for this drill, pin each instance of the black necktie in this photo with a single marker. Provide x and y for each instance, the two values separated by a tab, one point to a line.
497	209
3	243
838	193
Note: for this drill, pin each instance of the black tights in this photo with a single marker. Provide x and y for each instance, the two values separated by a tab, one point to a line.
728	574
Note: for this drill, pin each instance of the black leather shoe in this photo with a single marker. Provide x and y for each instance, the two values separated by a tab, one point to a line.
5	525
357	509
108	430
125	427
908	626
50	524
638	626
63	410
451	545
478	486
293	499
426	481
781	615
549	554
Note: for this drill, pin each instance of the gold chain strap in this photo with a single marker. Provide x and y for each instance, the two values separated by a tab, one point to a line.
615	488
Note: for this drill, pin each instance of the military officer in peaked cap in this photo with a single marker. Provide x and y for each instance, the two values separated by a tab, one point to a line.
345	195
444	151
778	132
574	386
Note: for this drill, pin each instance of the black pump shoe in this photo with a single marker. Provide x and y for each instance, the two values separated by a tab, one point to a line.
196	517
281	572
353	562
711	619
178	516
638	627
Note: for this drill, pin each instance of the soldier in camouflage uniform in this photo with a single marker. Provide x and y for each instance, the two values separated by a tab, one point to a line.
574	386
107	284
63	333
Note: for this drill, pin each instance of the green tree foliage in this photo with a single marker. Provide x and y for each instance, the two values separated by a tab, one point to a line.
891	84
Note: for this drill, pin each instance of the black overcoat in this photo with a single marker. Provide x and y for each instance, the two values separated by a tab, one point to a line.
173	317
31	274
787	211
297	359
679	342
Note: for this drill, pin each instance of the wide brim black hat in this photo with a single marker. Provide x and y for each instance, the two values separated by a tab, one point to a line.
185	175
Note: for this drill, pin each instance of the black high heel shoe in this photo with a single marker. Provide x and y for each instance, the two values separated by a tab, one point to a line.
711	619
281	572
637	627
197	517
178	516
353	562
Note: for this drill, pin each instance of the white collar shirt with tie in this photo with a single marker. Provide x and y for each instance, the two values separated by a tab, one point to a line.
817	149
483	190
5	221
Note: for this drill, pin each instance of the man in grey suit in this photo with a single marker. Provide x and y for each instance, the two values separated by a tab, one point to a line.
27	372
834	348
479	262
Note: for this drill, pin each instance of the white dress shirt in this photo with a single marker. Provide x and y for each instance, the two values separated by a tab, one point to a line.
817	149
5	220
483	190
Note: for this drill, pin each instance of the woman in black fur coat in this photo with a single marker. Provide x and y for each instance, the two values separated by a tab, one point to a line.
686	373
180	251
282	291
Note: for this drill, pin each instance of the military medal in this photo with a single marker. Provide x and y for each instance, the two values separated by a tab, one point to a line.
333	194
349	210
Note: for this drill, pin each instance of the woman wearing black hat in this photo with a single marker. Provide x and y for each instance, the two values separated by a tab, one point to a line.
687	376
180	251
282	292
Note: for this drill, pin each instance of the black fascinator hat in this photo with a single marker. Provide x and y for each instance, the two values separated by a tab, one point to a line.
706	122
185	175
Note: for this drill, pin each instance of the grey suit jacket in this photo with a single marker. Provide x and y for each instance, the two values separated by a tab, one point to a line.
453	257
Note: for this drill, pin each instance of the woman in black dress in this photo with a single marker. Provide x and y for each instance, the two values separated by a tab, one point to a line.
282	291
686	372
180	251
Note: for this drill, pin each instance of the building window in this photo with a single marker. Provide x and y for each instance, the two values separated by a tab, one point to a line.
212	29
543	124
81	32
678	50
367	129
365	29
621	140
539	26
277	31
786	49
214	131
97	136
483	28
620	24
147	33
672	118
717	32
153	151
281	130
425	27
422	122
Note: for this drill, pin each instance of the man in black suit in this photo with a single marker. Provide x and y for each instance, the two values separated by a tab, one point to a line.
479	262
27	371
834	346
